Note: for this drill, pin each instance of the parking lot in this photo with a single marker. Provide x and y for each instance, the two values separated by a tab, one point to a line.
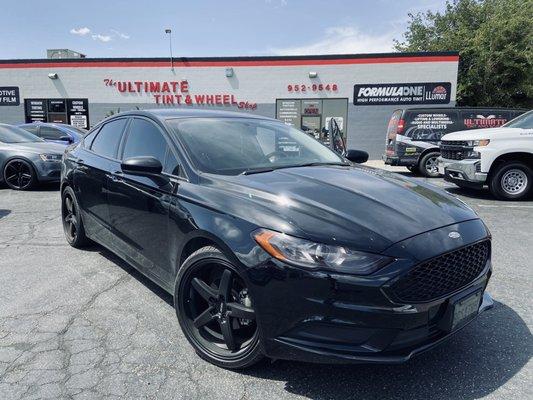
83	324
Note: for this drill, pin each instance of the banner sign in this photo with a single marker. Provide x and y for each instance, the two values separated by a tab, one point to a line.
9	96
402	93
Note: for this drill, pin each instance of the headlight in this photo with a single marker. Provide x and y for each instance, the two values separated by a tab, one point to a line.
317	255
50	157
478	143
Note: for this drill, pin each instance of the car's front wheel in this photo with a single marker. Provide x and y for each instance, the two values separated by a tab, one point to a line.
19	174
511	181
215	310
428	165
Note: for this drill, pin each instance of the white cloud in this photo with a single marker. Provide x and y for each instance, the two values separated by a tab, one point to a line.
80	31
102	38
342	40
121	35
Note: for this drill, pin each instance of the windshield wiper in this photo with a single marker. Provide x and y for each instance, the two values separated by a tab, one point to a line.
314	164
257	170
310	164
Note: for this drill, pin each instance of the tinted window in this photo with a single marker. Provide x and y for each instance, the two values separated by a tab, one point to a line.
13	134
430	125
48	132
30	128
108	138
171	165
145	139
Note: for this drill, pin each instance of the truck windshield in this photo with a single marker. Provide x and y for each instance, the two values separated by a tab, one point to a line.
525	121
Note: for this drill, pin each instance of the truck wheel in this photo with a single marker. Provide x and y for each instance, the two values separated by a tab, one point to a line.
511	181
428	165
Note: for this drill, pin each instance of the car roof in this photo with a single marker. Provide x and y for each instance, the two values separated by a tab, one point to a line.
172	113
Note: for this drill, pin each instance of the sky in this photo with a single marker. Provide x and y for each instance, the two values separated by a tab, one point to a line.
204	28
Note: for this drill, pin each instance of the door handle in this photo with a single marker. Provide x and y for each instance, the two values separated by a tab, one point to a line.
114	178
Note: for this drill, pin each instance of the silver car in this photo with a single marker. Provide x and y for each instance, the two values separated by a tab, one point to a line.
26	159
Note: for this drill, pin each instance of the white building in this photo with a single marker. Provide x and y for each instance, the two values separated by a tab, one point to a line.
359	91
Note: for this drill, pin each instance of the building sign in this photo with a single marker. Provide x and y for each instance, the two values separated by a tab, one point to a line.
177	93
78	113
66	111
9	96
402	93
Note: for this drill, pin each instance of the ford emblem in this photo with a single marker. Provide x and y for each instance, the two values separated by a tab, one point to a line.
454	235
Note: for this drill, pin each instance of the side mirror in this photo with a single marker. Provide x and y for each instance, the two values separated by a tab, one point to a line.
65	138
357	156
143	165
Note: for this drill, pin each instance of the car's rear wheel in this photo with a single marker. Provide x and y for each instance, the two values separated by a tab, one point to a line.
19	174
511	181
428	165
71	218
215	310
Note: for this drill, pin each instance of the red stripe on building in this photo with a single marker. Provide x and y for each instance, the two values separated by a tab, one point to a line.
238	63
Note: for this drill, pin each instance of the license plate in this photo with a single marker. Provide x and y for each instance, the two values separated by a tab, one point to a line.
465	309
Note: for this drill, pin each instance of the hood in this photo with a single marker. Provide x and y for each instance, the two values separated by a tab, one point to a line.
40	147
364	208
487	133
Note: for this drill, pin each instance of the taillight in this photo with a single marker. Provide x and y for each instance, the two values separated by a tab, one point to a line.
400	126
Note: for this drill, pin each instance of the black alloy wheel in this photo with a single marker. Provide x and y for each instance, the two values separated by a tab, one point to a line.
19	174
72	223
215	310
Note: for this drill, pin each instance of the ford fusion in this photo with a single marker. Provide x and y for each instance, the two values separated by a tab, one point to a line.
26	159
272	244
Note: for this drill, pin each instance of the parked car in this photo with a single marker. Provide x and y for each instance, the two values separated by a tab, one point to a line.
26	159
54	132
501	158
414	134
290	252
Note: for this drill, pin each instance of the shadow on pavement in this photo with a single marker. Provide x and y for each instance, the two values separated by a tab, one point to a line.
474	363
4	212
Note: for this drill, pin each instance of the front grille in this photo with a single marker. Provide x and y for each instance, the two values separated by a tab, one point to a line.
442	275
453	154
455	143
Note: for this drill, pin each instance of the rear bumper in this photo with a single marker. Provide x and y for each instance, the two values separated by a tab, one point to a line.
465	171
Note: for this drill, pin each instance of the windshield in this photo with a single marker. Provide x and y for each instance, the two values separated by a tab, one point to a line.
13	134
525	121
231	146
80	131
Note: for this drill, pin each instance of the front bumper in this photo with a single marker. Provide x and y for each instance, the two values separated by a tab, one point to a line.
325	317
466	171
48	171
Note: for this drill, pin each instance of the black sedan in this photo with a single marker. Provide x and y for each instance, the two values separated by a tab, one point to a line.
26	159
272	244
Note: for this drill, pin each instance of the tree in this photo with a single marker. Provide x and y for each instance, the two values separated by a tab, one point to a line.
494	39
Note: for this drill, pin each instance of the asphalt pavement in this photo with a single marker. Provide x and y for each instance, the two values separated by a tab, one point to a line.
82	324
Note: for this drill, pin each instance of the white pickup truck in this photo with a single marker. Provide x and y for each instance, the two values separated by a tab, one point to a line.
501	158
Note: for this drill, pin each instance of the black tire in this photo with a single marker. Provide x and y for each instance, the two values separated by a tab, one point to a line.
511	181
71	218
427	165
208	296
19	174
